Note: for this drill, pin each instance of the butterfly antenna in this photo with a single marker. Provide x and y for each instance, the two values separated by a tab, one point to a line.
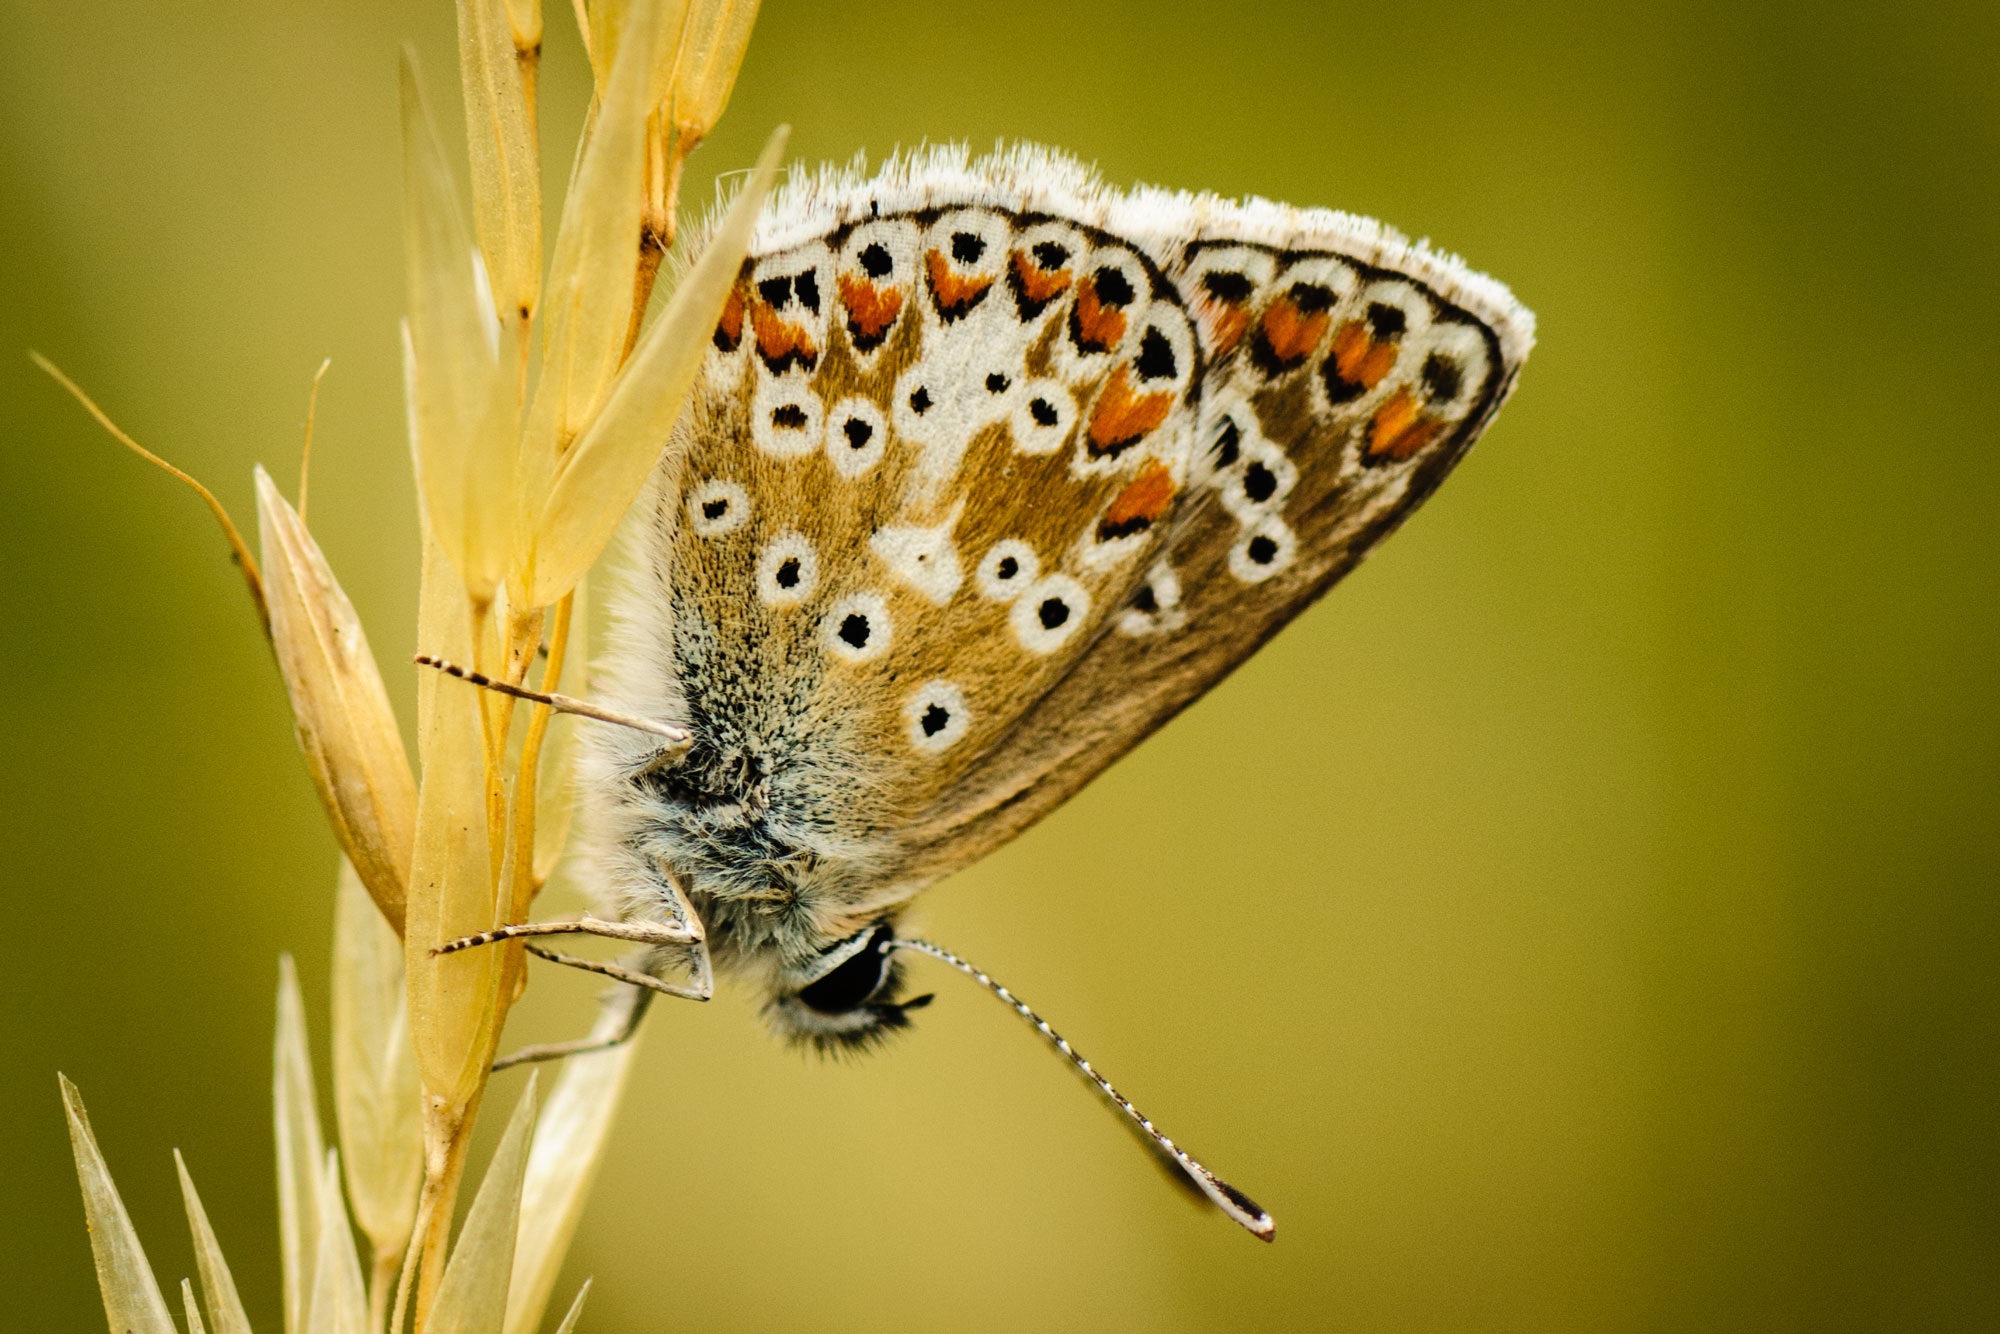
1225	1197
582	708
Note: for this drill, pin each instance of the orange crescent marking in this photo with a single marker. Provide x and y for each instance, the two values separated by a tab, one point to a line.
1122	417
1291	334
870	309
776	337
1361	359
1037	283
730	327
1396	431
953	292
1098	324
1146	498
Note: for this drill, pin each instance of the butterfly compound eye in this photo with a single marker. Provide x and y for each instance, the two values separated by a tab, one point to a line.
849	986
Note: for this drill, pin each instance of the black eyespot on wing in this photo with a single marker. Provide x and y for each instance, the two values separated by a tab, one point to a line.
1441	377
996	383
1007	568
1262	550
936	718
1146	600
875	261
789	416
1228	444
858	432
849	986
714	509
1311	298
1052	613
1113	287
855	630
1043	412
1049	255
920	401
966	247
806	287
788	573
1225	285
777	292
1259	483
1387	321
1156	357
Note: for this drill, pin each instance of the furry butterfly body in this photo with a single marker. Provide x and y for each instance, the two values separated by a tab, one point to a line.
991	470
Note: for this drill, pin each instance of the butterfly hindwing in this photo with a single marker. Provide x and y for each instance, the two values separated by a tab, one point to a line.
1345	377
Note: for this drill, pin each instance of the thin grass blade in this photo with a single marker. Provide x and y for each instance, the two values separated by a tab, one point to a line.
132	1300
465	441
217	1284
451	998
301	1146
598	480
594	269
339	1303
472	1299
555	793
506	167
375	1092
568	1325
705	72
194	1323
569	1148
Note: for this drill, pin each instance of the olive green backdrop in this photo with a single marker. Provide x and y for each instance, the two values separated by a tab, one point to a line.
1584	920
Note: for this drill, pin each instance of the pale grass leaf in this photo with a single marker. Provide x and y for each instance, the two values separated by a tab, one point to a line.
555	791
340	709
217	1283
472	1299
375	1092
451	878
506	167
194	1323
598	480
339	1303
569	1148
568	1325
593	272
705	70
301	1146
465	433
132	1300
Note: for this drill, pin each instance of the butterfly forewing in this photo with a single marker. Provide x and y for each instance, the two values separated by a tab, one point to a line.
989	472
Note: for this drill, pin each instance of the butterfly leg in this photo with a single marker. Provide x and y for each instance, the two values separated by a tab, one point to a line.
683	932
624	1009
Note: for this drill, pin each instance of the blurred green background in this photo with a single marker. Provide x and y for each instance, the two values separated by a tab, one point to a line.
1596	896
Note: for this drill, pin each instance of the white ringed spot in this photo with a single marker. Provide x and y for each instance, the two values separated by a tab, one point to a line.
1008	567
1048	612
857	629
856	435
1044	413
1262	549
786	418
936	716
717	507
1155	606
787	570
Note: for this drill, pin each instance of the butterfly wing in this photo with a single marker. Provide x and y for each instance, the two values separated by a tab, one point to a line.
989	472
1346	373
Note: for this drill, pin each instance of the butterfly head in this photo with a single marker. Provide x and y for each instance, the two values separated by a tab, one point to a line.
846	997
